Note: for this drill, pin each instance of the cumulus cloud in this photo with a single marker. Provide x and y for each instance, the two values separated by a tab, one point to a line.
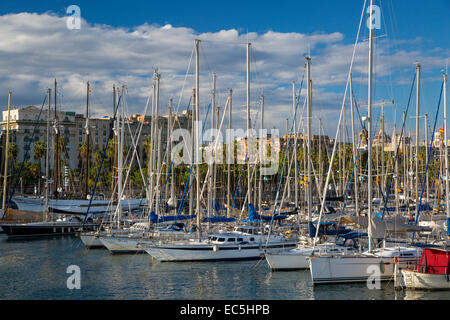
36	48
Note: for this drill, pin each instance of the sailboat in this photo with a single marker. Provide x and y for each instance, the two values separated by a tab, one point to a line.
376	263
46	227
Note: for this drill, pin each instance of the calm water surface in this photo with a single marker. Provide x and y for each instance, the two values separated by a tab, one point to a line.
36	269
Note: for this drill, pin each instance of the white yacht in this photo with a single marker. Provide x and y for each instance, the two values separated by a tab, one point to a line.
245	242
298	258
376	265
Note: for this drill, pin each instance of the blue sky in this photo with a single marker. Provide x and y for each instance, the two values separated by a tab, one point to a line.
420	26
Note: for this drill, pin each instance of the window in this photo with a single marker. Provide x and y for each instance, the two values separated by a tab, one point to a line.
231	239
240	239
252	239
221	239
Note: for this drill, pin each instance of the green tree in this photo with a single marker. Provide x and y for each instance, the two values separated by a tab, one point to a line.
39	151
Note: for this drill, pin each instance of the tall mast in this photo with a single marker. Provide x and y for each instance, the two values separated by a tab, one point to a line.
354	146
261	153
249	179
191	192
47	149
369	128
417	131
169	138
288	181
114	174
230	157
197	130
157	154
211	163
426	153
5	172
56	164
309	114
152	149
86	179
121	127
446	157
295	145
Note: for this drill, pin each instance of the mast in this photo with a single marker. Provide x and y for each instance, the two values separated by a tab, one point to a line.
295	146
5	172
191	192
417	131
230	157
121	127
47	149
210	164
114	174
446	157
169	138
197	131
261	143
426	153
86	179
369	128
309	114
56	153
152	149
249	179
288	180
354	147
157	154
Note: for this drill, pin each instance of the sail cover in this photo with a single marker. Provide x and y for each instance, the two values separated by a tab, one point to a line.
435	261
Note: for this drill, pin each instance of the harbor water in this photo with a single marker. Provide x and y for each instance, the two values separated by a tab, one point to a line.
37	269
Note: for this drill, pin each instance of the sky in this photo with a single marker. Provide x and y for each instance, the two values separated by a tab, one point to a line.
123	42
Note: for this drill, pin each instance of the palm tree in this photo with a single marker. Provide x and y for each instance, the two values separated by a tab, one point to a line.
39	151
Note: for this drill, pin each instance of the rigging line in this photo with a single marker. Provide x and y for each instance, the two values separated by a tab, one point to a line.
26	154
190	171
337	131
430	151
103	158
282	170
398	149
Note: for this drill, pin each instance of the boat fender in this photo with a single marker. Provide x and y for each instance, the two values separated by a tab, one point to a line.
382	267
239	248
395	260
215	248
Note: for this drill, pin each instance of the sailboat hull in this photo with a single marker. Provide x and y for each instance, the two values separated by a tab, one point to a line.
90	240
418	280
202	252
119	245
355	268
42	229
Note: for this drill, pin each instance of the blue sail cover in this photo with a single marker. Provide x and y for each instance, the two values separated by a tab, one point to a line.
218	219
328	228
153	218
253	216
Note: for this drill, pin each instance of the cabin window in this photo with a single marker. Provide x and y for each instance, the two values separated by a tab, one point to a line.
252	239
231	239
213	238
240	239
221	239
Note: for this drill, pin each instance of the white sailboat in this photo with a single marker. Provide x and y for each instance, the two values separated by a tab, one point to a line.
376	264
245	242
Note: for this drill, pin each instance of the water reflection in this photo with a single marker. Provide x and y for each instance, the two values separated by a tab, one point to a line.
36	269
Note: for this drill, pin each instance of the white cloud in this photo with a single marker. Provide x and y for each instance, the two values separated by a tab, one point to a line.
36	48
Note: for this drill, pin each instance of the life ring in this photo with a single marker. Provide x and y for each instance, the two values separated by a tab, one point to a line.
288	234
